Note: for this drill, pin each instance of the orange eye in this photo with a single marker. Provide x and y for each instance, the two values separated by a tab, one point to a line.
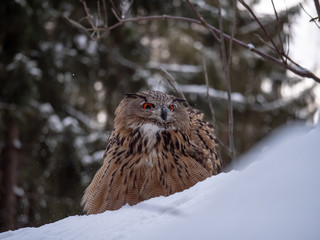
171	107
147	105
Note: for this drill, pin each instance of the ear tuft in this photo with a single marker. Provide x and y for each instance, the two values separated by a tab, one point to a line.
131	95
180	100
134	95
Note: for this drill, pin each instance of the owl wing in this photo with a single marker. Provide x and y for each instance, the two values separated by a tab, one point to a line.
94	199
202	135
125	177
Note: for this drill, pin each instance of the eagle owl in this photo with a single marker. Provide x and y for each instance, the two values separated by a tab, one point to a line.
157	147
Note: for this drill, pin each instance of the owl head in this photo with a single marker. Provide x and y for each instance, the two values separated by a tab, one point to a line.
151	108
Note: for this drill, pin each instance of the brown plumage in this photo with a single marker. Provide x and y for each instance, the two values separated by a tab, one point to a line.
157	147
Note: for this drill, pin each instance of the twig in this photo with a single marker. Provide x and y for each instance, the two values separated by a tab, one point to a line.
78	25
202	20
116	15
89	16
226	67
221	144
231	122
233	31
172	83
220	37
204	65
312	19
264	42
105	18
288	35
317	6
263	29
126	10
105	13
115	11
278	30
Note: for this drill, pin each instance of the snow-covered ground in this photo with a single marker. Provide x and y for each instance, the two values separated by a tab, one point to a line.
274	195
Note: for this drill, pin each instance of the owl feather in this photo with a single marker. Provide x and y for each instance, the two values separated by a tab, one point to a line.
157	147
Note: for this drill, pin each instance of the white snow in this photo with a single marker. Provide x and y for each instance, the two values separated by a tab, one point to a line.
55	123
202	89
250	46
274	195
21	60
97	156
175	67
81	40
45	108
17	143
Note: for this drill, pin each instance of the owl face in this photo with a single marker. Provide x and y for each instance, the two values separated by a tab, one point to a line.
155	108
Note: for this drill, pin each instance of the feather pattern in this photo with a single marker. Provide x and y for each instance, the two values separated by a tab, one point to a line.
147	156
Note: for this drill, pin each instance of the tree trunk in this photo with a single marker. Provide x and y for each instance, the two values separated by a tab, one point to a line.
8	172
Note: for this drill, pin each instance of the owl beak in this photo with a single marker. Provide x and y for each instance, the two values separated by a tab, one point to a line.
163	114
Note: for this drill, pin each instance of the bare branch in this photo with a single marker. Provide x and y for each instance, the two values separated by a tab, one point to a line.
172	83
89	16
312	19
295	68
105	13
204	65
233	30
288	35
231	122
105	18
116	14
226	67
263	29
278	30
126	8
317	6
76	24
115	11
264	42
202	20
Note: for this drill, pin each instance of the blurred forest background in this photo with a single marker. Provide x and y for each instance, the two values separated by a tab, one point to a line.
59	90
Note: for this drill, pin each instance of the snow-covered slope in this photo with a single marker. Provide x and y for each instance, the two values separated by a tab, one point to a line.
275	197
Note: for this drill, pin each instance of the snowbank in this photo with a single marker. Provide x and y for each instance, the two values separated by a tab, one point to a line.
275	197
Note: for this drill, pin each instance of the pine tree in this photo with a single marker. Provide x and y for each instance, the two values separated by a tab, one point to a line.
59	90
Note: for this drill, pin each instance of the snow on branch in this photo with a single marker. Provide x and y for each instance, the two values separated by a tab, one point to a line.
240	101
183	68
87	121
218	94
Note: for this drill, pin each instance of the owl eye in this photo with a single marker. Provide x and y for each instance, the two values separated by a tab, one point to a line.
171	107
147	105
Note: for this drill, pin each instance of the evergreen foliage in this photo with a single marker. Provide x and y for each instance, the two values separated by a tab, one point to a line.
59	90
